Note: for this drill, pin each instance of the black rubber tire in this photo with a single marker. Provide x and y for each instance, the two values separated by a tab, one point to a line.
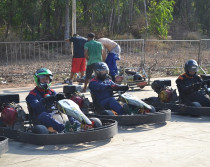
161	115
97	122
40	129
107	131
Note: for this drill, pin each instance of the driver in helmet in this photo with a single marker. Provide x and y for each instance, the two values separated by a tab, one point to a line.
102	88
42	98
189	85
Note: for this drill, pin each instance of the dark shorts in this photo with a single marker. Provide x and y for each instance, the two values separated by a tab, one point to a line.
78	65
89	70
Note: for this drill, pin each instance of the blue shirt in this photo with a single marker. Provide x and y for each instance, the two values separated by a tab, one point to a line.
78	43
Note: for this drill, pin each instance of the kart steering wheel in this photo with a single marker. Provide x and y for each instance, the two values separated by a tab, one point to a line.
118	93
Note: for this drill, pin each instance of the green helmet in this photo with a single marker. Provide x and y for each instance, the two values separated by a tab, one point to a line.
43	72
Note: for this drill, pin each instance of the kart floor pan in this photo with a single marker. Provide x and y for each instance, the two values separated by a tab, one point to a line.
108	130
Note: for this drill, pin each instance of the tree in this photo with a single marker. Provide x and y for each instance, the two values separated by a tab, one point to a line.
160	16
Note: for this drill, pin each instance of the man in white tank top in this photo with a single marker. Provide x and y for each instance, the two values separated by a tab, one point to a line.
114	51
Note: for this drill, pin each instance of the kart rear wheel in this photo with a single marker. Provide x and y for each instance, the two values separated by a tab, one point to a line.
40	129
97	122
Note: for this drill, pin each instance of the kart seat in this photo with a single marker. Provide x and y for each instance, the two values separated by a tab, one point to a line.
96	106
32	117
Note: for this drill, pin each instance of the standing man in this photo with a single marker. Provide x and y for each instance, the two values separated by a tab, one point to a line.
78	60
114	51
93	54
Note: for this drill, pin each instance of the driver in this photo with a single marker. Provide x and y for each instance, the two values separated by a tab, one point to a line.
102	88
42	98
189	85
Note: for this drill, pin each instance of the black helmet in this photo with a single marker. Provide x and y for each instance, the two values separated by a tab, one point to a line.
43	72
101	70
191	66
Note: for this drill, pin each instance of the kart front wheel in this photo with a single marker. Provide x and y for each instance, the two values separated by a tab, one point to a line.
96	122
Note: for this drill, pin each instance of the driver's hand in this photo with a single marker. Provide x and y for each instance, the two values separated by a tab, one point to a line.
59	96
197	86
115	87
49	99
123	88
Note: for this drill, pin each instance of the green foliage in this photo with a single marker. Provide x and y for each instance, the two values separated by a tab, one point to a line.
45	19
160	14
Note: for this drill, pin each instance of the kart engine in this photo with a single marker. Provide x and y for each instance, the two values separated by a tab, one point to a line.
165	93
13	116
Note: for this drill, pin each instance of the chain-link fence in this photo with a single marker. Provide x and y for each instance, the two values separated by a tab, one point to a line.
165	57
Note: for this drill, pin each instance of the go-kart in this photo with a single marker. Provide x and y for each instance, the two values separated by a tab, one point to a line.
131	78
137	111
167	98
16	124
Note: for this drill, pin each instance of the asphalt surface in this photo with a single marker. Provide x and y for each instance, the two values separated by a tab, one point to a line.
181	142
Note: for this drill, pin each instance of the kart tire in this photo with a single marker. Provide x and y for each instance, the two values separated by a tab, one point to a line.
196	104
40	129
97	122
153	110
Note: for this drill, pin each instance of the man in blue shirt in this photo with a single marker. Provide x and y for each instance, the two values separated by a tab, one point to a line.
78	60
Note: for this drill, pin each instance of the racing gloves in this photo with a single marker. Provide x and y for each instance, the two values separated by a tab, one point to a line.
196	86
52	98
119	87
48	99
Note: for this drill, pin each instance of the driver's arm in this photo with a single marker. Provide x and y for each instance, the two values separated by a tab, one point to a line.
96	86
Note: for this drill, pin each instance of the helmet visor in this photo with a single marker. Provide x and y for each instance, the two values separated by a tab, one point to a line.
193	69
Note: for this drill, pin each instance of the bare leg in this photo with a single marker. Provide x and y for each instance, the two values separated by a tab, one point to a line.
85	86
71	76
82	74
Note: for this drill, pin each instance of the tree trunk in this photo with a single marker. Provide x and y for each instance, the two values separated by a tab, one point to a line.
48	24
145	13
67	24
111	17
131	11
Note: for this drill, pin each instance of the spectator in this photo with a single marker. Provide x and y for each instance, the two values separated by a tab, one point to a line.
93	54
78	60
114	51
189	86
